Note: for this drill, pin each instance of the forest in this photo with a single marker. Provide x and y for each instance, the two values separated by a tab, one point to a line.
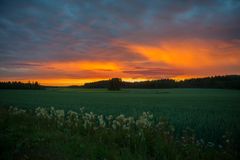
20	85
223	82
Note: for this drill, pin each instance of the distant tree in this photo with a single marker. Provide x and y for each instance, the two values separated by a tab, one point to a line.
226	82
98	84
115	84
20	85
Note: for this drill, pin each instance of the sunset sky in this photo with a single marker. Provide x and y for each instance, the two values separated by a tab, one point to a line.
65	42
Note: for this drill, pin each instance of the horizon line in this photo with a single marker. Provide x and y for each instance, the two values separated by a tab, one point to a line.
106	79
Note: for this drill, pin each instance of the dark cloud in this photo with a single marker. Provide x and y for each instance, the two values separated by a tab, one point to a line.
37	29
65	30
22	64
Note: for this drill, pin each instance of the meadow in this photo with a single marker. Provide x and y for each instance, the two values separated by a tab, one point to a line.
210	113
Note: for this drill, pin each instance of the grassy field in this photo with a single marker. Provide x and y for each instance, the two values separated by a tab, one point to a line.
207	111
211	113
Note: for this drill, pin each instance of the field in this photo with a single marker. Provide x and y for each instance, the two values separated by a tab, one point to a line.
208	111
211	113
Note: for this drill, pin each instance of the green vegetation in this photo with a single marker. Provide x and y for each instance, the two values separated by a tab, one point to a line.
20	85
211	113
223	82
51	134
114	84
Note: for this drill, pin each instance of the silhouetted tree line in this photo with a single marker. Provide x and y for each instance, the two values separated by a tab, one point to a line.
113	84
224	82
98	84
20	85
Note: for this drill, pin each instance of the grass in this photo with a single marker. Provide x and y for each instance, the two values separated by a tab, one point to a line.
210	112
46	134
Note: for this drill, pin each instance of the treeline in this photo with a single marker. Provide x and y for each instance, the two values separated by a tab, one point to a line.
224	82
97	84
20	85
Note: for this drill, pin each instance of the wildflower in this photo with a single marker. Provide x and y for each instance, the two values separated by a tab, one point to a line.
72	115
89	120
125	127
144	120
82	109
16	111
60	114
114	126
109	118
42	113
52	112
120	118
72	118
101	121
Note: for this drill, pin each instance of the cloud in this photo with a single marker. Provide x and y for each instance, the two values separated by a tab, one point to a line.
191	53
155	73
187	35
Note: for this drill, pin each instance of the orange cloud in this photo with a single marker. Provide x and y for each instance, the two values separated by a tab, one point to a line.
190	54
83	65
178	59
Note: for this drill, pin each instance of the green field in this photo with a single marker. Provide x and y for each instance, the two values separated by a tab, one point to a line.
210	112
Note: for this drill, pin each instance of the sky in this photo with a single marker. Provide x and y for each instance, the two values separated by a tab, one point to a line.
69	42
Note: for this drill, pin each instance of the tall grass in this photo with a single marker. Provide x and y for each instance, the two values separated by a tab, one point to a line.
47	133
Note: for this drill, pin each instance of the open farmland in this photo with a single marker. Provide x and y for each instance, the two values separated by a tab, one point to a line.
210	112
203	122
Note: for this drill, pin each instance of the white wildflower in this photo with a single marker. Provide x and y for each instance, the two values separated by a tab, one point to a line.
42	113
144	120
59	116
89	120
109	118
16	111
116	124
82	109
101	121
72	118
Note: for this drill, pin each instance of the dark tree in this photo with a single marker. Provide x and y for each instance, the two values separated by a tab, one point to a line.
115	84
98	84
225	82
20	85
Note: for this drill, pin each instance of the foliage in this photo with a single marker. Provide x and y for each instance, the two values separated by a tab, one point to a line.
227	82
210	112
20	85
46	133
114	84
